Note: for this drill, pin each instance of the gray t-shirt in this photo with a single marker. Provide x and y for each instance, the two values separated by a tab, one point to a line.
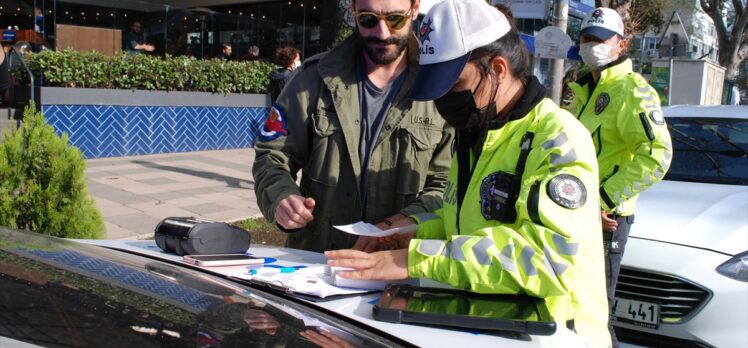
375	103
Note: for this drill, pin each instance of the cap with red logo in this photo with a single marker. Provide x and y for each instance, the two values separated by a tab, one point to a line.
449	32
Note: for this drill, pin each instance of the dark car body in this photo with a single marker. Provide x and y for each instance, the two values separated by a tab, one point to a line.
61	293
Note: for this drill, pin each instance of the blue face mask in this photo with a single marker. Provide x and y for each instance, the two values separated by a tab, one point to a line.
39	18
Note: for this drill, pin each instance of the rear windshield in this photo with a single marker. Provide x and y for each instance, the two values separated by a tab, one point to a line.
709	150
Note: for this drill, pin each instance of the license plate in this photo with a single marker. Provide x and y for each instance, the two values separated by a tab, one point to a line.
640	313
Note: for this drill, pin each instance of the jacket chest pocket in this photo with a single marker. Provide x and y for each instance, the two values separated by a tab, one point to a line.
417	145
327	148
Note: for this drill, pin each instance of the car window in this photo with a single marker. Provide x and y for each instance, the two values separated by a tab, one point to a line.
709	150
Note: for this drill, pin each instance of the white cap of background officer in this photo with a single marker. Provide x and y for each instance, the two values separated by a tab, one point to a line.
602	23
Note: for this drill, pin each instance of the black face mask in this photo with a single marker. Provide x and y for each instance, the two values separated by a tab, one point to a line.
459	110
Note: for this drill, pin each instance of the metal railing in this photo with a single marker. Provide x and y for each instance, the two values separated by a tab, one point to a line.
14	55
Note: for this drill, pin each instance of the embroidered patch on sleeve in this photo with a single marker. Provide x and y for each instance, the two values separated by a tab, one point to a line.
657	117
567	191
275	125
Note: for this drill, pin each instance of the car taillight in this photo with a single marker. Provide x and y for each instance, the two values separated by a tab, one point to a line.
736	267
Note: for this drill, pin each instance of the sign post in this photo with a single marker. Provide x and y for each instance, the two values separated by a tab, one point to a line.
556	73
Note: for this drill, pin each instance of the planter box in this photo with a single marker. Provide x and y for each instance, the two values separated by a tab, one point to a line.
113	123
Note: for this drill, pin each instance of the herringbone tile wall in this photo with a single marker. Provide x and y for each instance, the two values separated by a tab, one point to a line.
114	131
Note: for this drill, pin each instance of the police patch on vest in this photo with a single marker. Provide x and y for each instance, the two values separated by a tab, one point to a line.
602	101
275	124
567	191
657	117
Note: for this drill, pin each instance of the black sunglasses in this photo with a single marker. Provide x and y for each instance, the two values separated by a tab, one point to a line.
394	21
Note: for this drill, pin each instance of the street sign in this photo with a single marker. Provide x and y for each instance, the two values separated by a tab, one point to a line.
552	43
526	8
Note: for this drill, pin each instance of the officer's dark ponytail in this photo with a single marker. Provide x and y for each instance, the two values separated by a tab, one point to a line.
509	46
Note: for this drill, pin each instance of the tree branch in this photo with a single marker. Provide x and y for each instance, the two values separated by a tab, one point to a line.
737	5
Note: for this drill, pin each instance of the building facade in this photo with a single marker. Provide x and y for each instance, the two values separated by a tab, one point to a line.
189	27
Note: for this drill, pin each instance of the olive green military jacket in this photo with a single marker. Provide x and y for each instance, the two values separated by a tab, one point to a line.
314	126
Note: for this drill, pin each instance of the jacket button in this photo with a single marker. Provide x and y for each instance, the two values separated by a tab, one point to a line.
388	127
347	194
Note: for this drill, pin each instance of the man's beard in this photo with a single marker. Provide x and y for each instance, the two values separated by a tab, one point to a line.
384	56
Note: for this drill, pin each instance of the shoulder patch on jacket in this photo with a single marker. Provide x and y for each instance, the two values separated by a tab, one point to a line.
657	117
567	191
275	124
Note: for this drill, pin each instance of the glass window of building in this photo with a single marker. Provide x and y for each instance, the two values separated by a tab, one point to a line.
110	26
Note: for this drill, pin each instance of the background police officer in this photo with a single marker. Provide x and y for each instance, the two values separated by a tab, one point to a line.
622	112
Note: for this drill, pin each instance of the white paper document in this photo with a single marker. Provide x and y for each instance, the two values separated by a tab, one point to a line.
366	229
315	281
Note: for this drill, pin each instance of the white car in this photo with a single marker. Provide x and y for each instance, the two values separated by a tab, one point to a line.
684	277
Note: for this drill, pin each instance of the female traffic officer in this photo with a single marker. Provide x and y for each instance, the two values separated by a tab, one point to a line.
520	211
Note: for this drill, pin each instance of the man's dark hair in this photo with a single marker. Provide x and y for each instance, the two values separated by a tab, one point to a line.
510	46
225	45
286	55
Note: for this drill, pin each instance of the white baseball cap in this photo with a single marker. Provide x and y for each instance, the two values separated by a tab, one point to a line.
602	23
449	32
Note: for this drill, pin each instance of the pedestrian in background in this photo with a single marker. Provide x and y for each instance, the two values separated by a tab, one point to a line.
622	112
4	72
134	40
253	54
227	51
289	58
364	150
520	211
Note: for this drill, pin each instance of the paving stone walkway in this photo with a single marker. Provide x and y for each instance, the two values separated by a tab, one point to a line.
135	193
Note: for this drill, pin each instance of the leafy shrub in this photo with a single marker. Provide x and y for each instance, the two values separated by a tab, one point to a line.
43	183
70	68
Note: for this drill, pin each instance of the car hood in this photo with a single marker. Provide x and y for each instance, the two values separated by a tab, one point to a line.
699	215
72	294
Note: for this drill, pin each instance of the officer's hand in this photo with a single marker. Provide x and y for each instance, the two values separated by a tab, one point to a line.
609	224
294	212
381	265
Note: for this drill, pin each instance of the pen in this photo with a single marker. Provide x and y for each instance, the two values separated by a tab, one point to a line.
272	270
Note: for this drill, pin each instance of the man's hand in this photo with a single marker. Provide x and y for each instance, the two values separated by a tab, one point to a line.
260	320
396	241
325	339
609	224
294	212
382	265
145	47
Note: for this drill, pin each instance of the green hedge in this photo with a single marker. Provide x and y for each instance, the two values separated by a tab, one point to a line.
70	68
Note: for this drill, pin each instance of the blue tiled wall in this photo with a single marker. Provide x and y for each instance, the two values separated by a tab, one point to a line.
112	131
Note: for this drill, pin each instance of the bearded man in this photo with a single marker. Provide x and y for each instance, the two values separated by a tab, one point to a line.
365	152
